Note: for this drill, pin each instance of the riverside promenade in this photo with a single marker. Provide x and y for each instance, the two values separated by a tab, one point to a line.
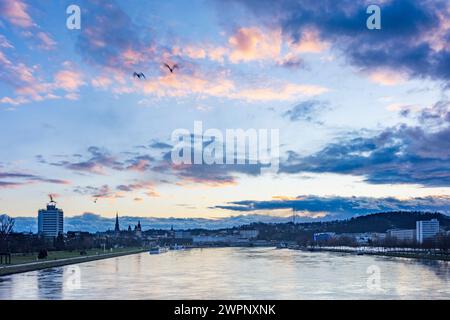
38	265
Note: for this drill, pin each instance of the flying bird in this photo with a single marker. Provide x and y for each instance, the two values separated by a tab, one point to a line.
175	66
139	75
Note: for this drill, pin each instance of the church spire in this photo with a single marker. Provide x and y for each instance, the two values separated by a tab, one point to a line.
116	228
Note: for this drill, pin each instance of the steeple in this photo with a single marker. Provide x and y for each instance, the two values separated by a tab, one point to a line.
138	229
116	228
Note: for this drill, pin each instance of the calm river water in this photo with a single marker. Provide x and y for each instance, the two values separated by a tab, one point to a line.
236	273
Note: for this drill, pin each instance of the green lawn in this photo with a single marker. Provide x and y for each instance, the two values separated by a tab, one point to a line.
56	255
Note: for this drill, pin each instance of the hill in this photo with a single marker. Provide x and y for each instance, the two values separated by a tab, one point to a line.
381	222
377	222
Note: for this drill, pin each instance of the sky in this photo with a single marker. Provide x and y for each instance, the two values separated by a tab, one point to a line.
363	115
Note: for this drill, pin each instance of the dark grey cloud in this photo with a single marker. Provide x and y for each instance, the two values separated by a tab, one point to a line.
293	63
110	38
139	162
306	110
417	154
160	145
98	159
214	174
396	155
413	38
16	175
103	191
438	114
15	179
401	154
343	207
9	184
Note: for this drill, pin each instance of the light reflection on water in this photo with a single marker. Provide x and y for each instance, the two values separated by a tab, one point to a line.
235	273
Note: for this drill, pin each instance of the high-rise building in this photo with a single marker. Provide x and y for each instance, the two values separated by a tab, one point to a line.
426	230
50	220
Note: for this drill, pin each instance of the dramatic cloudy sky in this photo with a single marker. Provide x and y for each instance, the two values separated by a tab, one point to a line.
364	115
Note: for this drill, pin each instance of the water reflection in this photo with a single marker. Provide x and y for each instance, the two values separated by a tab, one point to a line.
235	273
50	283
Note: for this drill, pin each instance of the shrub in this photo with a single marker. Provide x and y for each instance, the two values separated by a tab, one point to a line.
42	254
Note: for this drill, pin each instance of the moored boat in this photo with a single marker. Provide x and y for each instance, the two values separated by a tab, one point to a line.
157	250
177	247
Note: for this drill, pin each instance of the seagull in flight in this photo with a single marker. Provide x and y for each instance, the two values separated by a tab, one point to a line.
139	75
175	66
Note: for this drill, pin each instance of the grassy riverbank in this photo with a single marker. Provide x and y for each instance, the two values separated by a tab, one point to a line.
25	263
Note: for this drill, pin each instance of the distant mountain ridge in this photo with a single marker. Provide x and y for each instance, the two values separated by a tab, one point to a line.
378	222
96	223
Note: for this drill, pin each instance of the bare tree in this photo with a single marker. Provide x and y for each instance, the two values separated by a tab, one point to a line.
6	227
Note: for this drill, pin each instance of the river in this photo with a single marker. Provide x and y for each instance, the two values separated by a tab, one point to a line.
236	273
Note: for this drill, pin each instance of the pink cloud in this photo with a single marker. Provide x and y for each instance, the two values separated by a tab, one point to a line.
437	37
288	91
102	82
254	44
219	85
11	184
4	43
185	84
208	182
152	194
14	101
217	53
47	42
140	165
69	80
388	77
309	42
132	57
148	188
15	11
204	51
31	87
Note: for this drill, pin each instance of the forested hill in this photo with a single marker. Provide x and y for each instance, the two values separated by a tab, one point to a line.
379	222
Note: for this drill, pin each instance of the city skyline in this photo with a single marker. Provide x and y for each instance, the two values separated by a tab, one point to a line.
363	115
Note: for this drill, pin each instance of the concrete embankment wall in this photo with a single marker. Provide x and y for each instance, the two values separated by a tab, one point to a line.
61	262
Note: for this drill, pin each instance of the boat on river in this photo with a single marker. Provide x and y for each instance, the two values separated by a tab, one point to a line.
177	247
158	250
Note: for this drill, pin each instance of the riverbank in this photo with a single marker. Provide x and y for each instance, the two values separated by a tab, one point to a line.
38	265
397	254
